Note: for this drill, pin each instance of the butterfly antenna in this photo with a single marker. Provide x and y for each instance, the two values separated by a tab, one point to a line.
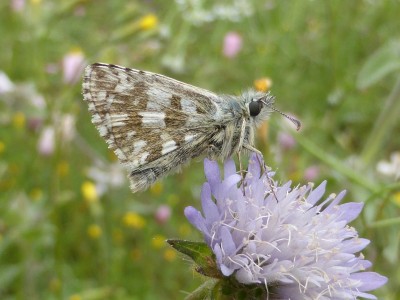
293	120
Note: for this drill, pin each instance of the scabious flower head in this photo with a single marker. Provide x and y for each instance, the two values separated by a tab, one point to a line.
284	239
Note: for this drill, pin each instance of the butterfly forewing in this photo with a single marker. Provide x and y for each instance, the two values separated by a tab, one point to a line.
153	123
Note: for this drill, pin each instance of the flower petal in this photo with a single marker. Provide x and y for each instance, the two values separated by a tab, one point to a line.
211	171
317	193
350	211
229	168
370	280
210	209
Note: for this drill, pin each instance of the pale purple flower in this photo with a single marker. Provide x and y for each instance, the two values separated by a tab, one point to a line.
232	44
289	241
46	142
73	64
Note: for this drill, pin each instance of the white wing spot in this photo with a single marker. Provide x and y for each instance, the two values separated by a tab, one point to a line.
138	162
156	94
92	107
131	134
110	99
151	118
138	145
96	119
168	147
102	96
102	130
189	137
120	154
115	120
143	157
188	106
120	88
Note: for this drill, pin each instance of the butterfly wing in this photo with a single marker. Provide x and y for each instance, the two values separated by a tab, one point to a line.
153	123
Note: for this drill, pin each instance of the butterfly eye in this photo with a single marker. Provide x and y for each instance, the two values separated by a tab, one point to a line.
255	108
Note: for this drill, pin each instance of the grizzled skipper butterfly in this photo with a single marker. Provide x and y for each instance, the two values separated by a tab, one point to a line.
156	124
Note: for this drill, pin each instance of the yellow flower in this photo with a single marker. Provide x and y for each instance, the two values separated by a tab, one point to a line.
94	231
136	254
36	194
169	254
2	147
397	198
62	168
133	220
19	120
158	241
263	84
156	189
55	284
148	22
75	297
89	192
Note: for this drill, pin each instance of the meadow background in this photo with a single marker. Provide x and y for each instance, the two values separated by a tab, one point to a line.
69	226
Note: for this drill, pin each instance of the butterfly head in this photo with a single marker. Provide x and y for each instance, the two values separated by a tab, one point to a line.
260	106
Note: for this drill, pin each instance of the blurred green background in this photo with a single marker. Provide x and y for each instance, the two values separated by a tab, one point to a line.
69	226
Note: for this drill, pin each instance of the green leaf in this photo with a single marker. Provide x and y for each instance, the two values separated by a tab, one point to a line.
383	62
200	253
9	274
205	291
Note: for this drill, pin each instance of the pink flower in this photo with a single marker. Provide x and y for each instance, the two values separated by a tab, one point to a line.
286	141
162	214
34	123
311	173
17	5
232	44
73	64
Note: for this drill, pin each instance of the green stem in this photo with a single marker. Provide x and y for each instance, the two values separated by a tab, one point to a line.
385	223
335	163
387	119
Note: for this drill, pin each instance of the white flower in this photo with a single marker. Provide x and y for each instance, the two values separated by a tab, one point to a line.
392	167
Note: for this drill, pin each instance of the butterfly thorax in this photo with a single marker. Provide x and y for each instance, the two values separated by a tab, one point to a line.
230	136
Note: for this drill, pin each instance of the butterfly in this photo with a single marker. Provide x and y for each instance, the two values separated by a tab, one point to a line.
156	124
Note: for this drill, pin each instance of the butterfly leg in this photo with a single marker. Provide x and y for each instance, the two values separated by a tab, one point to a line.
241	144
263	167
252	149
